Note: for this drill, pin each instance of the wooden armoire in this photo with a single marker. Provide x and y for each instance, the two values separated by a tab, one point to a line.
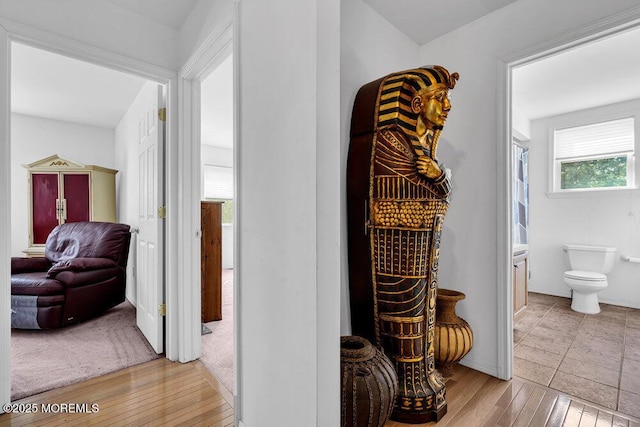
211	260
62	190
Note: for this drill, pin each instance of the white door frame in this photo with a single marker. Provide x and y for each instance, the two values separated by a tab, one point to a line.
210	54
603	28
174	236
5	220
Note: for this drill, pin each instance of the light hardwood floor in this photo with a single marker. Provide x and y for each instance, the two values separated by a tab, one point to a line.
157	393
164	393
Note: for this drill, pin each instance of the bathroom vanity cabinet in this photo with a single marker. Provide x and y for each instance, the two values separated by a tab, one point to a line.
520	282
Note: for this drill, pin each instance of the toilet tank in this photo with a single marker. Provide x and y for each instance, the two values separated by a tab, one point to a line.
599	259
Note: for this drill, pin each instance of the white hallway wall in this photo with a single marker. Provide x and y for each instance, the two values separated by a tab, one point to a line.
289	212
610	219
34	138
468	260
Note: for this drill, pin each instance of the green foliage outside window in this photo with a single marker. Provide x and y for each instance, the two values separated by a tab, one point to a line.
596	173
227	212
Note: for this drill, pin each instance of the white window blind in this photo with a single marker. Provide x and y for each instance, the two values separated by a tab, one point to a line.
612	137
218	182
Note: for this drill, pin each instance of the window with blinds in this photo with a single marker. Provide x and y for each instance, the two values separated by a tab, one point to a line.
218	185
595	156
218	182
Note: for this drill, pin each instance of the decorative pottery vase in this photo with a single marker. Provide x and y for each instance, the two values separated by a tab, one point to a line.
453	335
369	383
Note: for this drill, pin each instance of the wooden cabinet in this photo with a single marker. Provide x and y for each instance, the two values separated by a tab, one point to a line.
60	191
211	260
520	282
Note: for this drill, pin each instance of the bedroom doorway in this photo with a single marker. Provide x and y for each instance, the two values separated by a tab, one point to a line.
217	193
93	115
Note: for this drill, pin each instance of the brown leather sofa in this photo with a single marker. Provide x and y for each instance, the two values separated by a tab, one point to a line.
82	274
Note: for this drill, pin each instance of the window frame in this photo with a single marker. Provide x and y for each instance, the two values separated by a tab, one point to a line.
630	109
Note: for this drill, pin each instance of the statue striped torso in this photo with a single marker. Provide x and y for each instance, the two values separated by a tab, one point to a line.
406	221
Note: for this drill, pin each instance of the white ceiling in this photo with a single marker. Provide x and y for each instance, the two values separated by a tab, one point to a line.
170	13
53	86
423	21
598	73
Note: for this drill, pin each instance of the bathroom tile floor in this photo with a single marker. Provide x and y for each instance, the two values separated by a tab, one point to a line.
595	357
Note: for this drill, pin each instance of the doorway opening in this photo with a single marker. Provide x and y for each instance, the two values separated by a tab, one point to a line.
94	116
581	192
217	220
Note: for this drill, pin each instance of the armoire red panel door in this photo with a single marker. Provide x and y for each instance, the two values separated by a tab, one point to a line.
45	194
76	194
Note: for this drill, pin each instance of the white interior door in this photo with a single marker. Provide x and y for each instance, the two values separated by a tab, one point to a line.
150	262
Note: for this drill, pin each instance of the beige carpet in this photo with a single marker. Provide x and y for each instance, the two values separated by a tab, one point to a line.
217	347
44	360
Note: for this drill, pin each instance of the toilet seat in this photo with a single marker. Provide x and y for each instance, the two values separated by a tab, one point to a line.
585	285
586	276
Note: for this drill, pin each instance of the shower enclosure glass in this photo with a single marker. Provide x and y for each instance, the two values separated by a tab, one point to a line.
520	194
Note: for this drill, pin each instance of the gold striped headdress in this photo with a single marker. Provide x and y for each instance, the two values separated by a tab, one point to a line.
398	89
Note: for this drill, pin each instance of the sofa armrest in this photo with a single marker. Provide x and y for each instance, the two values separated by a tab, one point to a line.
80	264
26	265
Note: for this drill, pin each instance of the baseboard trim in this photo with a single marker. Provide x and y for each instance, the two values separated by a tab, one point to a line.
473	364
618	302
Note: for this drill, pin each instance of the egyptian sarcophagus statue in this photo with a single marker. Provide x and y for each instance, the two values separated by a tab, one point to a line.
397	196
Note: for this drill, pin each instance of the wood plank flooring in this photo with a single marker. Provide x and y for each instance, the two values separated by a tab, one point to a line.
475	399
157	393
164	393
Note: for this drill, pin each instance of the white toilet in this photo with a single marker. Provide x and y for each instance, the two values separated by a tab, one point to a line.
589	266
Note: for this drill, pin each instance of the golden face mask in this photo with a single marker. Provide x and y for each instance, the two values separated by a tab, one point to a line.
432	106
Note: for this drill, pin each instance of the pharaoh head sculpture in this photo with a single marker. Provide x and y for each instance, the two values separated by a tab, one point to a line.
418	102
